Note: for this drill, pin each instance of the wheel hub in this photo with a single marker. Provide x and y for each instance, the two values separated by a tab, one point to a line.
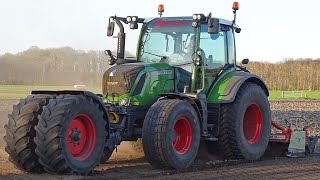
183	131
81	137
252	123
75	136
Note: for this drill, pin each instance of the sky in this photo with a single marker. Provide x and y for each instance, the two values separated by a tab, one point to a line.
272	30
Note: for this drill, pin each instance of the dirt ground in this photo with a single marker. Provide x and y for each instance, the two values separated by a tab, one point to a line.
127	164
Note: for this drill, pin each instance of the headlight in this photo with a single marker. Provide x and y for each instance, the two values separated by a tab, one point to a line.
129	19
134	19
194	24
199	52
198	16
194	17
124	102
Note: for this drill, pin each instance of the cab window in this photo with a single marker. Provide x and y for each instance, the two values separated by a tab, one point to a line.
214	52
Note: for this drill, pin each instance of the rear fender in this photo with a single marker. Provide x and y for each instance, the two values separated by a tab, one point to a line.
225	90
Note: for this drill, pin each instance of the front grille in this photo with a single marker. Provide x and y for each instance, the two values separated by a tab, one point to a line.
119	79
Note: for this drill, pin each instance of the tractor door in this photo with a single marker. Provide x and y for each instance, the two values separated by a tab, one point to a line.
215	54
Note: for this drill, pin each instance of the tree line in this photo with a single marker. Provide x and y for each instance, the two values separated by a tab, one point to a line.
57	67
66	66
290	74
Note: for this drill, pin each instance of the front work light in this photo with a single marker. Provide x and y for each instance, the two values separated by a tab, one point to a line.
129	19
133	22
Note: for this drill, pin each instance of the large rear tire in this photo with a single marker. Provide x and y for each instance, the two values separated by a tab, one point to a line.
71	135
171	134
245	124
20	132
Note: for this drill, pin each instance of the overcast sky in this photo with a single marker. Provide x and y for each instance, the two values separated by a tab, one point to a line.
271	30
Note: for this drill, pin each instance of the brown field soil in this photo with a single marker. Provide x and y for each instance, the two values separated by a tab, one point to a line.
127	164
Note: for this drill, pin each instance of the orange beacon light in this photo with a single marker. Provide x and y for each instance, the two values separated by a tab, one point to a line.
160	9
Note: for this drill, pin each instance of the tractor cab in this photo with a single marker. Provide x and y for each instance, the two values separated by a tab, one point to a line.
176	42
198	47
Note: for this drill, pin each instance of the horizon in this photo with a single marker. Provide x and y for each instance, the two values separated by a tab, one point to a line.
87	51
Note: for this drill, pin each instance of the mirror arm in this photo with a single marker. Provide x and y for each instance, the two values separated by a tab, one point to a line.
121	38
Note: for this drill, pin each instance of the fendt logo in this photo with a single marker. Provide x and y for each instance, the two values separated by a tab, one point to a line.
161	22
113	72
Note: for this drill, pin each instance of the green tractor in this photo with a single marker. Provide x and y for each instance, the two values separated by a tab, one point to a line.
183	87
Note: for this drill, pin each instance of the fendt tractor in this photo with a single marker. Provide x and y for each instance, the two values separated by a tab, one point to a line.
184	86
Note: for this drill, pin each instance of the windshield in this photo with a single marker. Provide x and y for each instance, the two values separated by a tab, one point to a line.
169	41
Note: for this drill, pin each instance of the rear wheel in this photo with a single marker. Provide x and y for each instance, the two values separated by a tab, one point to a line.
71	135
171	134
245	124
20	132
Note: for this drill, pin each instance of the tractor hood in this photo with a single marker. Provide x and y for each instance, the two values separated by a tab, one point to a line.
118	80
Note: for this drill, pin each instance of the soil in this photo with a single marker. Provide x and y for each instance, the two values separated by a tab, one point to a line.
127	164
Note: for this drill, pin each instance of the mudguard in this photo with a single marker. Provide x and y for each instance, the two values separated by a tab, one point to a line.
95	97
226	88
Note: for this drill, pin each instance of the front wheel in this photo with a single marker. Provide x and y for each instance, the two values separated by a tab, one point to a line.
171	134
71	135
20	132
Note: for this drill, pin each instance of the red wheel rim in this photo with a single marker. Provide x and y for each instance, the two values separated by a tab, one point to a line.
252	123
81	137
183	139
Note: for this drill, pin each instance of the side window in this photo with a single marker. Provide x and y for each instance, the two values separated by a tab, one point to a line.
214	48
231	47
215	53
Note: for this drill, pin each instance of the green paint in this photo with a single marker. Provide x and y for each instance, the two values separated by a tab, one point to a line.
214	95
159	79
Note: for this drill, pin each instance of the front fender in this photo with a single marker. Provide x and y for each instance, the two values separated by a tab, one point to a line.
93	96
225	90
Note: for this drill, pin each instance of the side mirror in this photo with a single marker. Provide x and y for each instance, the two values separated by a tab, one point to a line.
245	61
213	26
110	29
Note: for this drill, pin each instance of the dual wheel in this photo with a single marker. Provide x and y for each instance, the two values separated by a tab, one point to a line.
65	134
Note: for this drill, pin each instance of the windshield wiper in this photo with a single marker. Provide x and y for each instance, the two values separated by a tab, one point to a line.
162	57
